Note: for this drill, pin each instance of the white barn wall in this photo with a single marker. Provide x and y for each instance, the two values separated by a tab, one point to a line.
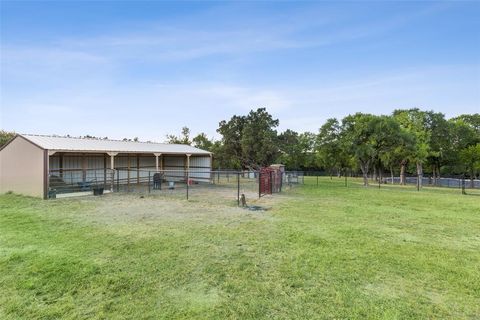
200	167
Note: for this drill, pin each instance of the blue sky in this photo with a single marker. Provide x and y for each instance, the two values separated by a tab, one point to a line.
145	69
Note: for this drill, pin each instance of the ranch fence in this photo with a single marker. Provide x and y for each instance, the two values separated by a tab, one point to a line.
207	185
219	185
462	182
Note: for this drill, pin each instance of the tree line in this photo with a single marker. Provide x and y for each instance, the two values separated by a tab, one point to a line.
408	141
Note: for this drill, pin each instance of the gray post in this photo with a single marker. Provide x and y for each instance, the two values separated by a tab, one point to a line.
188	178
271	182
259	185
148	181
238	188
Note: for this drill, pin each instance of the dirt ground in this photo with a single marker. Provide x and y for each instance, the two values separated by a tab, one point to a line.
134	208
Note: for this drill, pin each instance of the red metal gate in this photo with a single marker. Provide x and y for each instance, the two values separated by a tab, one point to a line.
265	181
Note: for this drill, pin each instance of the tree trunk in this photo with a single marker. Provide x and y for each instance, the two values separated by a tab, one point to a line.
438	173
391	173
419	173
472	177
402	172
364	168
434	174
374	176
380	175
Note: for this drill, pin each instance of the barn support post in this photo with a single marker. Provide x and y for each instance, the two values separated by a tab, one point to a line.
212	175
112	167
61	165
84	168
188	172
157	166
128	173
138	169
104	170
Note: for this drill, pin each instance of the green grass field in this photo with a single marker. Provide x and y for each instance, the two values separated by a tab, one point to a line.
320	252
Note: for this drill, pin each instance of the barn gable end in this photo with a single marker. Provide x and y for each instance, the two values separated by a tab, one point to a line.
22	168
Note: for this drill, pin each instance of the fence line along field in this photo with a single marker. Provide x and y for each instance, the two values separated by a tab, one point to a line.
320	251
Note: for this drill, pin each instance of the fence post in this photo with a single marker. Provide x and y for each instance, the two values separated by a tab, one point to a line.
188	178
148	181
259	185
463	185
112	181
281	180
418	183
238	189
271	182
118	181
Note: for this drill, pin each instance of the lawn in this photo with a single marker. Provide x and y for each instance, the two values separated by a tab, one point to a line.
322	252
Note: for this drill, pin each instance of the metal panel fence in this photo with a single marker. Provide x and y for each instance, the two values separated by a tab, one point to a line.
198	184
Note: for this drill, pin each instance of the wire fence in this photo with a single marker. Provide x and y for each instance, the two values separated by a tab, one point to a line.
205	185
463	182
222	185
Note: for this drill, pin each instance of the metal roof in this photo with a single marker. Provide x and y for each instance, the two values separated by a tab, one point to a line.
103	145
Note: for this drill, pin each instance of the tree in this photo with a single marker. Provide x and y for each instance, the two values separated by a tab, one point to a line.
415	122
201	141
369	139
439	131
289	145
183	138
251	139
358	133
259	139
399	154
331	147
470	156
231	146
5	136
387	137
296	150
463	146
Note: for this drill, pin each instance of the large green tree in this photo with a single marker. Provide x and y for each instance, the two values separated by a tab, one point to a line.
331	147
415	122
296	150
358	132
252	139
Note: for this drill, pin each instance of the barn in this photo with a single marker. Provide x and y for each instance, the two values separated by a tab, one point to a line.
29	164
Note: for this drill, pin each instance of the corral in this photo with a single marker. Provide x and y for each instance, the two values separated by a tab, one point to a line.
31	164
